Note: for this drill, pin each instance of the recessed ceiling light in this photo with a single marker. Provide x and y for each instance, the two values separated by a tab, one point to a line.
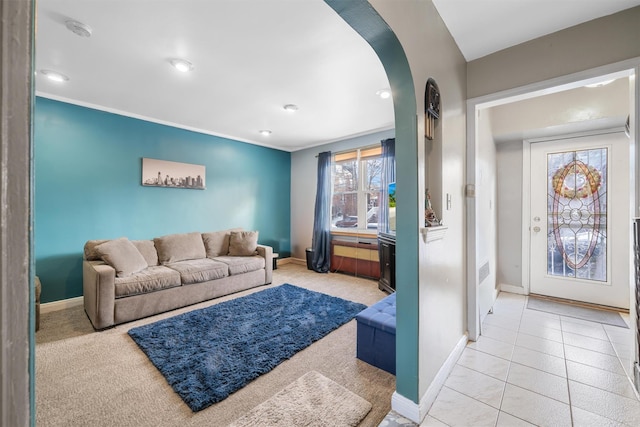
181	65
54	76
78	28
291	108
384	93
265	132
600	84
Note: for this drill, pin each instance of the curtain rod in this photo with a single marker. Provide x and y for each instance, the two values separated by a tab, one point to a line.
352	149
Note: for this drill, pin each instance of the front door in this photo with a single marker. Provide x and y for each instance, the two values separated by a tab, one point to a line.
580	219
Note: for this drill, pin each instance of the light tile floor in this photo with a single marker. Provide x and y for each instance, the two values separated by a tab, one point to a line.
535	368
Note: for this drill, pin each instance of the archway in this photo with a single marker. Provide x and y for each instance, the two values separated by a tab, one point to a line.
363	18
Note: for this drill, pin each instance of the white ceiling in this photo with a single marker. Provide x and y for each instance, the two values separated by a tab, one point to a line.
252	57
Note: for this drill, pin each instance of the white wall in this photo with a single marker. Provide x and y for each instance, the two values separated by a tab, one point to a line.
304	168
485	212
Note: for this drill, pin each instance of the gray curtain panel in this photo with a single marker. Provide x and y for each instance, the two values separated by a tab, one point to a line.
322	218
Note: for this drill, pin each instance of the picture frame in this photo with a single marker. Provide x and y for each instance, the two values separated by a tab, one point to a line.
168	174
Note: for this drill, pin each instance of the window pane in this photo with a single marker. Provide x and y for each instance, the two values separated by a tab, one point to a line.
357	185
373	174
344	212
373	201
577	214
345	176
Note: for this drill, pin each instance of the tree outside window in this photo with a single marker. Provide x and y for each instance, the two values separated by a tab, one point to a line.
357	185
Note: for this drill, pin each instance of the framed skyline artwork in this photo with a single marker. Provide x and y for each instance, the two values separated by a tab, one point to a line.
163	173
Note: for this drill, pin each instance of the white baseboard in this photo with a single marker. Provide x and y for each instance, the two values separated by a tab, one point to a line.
512	289
417	412
405	407
48	307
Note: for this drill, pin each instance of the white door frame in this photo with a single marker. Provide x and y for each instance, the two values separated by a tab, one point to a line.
524	92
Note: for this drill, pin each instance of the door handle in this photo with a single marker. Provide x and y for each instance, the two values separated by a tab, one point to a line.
536	229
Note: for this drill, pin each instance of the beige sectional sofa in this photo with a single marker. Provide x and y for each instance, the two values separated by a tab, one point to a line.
124	280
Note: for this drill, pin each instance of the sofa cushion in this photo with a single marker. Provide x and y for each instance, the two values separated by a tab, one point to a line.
148	280
199	270
122	255
242	264
243	243
148	251
179	247
90	249
216	243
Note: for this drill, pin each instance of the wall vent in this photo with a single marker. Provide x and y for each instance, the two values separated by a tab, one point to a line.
483	273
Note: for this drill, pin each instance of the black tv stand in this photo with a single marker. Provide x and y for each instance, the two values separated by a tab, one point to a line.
387	256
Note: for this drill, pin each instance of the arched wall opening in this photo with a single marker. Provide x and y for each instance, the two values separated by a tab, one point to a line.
364	19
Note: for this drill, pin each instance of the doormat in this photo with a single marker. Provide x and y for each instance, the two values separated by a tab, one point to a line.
313	400
563	309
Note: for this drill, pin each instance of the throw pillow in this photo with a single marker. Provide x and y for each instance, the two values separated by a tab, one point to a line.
243	243
216	243
122	255
180	247
89	249
148	251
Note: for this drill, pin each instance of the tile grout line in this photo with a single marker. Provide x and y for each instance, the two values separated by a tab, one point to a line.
566	372
563	331
517	386
635	392
504	387
436	418
589	385
598	387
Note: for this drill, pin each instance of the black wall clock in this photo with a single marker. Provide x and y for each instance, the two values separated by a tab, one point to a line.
431	107
432	99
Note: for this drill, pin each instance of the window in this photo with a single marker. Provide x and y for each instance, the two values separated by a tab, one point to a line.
357	183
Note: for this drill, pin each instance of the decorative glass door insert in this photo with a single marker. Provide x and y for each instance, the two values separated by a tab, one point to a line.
577	214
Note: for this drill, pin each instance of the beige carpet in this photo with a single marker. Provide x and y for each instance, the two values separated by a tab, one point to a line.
312	401
103	379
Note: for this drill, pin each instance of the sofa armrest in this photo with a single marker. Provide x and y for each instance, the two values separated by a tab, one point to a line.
98	284
267	253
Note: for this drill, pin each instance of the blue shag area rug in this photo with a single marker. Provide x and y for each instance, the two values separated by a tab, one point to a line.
207	354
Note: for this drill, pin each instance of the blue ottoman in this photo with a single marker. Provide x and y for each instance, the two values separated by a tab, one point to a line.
377	334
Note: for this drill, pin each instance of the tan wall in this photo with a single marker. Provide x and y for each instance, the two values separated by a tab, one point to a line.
595	43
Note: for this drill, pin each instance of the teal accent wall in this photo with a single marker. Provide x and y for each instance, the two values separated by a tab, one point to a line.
88	167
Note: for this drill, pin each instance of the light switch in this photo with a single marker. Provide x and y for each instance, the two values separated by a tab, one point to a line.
470	190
